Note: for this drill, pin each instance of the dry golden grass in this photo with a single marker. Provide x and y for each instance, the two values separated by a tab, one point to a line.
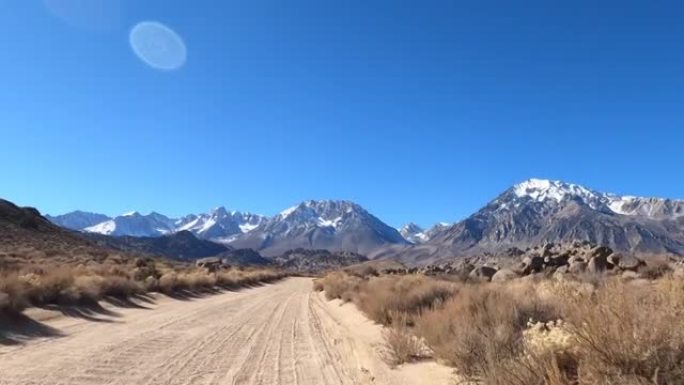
43	264
602	331
339	285
37	280
630	334
389	298
480	332
383	298
402	345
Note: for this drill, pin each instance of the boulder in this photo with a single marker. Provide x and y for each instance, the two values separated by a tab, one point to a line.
467	268
504	275
557	260
574	259
614	259
596	265
513	252
629	262
533	264
209	263
483	273
577	267
601	251
548	250
629	275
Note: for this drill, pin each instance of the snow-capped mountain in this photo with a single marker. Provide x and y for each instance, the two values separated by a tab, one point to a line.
537	211
417	235
324	224
135	224
413	233
540	190
78	220
220	224
527	214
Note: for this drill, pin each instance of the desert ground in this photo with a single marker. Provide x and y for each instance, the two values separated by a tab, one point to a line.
283	333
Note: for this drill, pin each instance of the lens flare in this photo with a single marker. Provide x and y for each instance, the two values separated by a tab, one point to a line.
158	46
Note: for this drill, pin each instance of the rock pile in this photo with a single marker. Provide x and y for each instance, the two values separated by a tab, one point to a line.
555	260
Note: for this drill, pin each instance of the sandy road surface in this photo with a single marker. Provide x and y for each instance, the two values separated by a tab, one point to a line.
275	334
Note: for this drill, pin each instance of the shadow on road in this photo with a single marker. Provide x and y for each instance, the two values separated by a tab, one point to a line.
16	328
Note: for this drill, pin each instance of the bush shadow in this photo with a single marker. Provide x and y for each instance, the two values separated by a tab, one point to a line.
15	328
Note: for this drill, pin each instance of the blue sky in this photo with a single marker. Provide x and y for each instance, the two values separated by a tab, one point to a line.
418	110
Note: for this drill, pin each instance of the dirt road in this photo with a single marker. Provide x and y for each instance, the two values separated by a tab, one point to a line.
275	334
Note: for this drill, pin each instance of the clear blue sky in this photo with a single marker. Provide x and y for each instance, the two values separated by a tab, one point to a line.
418	110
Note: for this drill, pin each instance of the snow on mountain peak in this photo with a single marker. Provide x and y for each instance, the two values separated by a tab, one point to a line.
543	189
413	233
410	228
286	213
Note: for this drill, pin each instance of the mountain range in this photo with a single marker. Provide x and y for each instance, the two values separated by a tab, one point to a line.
217	224
417	235
529	213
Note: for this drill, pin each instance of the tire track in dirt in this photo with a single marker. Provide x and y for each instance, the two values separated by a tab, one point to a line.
278	334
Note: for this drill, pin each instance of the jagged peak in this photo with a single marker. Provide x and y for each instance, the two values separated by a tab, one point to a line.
543	189
411	228
321	205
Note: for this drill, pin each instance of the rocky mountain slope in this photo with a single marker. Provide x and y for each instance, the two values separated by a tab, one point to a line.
182	245
413	233
541	211
533	212
327	224
243	257
220	224
417	235
307	260
78	220
26	237
134	224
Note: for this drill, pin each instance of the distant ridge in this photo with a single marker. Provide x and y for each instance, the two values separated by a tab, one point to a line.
528	213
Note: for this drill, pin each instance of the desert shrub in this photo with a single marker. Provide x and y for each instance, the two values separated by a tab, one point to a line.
363	271
121	287
70	275
318	285
145	268
83	287
167	282
482	326
402	345
196	280
54	286
630	334
12	293
381	298
655	269
339	285
586	331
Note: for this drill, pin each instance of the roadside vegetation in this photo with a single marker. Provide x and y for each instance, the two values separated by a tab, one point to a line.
582	330
30	277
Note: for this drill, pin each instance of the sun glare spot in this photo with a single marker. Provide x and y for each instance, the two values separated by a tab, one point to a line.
158	46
